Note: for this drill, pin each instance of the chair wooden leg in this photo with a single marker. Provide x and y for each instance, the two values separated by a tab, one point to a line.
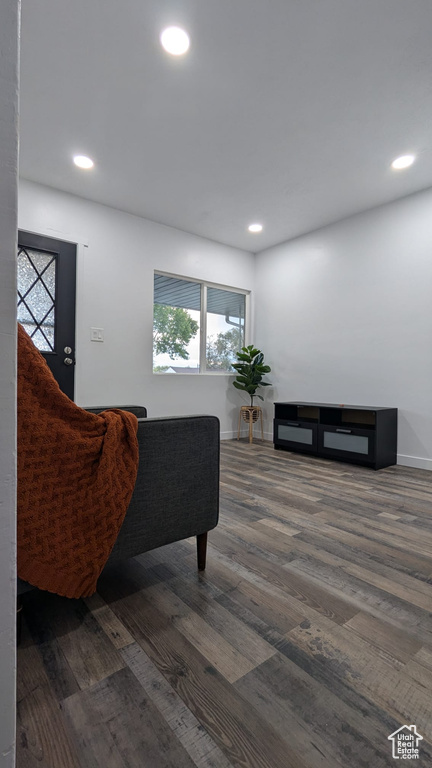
19	620
202	550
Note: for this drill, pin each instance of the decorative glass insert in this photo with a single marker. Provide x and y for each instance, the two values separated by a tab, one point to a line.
36	296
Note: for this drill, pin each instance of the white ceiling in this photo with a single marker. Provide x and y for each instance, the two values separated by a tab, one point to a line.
286	112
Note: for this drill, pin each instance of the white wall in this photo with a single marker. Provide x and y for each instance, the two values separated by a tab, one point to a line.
9	22
117	258
344	315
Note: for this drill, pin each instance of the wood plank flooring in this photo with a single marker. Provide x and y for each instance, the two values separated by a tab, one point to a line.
305	643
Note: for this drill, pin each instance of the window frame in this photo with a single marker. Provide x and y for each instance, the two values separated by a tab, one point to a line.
204	284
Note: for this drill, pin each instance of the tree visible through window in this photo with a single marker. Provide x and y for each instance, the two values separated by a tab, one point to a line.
183	332
225	328
173	328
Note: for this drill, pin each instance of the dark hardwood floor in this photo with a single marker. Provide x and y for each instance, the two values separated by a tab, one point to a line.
305	643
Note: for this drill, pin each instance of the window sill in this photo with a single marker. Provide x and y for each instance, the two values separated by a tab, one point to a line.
195	375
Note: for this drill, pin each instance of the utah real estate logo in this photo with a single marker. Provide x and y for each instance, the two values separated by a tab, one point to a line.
405	743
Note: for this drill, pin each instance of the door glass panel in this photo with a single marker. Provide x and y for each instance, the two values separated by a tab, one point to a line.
36	296
295	434
351	443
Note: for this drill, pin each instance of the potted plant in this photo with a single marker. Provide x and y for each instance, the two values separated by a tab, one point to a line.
250	369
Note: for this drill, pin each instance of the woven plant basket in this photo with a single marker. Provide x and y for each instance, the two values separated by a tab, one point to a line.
250	412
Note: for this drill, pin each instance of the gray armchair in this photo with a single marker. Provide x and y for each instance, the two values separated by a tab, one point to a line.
176	493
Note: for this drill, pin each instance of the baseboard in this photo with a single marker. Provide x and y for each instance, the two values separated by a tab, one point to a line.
231	435
414	461
245	433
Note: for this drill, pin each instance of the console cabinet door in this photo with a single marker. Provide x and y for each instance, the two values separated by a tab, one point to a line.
341	442
299	436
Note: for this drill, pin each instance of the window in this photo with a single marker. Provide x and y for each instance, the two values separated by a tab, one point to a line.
197	327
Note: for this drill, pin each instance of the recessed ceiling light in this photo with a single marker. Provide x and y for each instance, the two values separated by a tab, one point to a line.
83	162
175	40
255	227
403	162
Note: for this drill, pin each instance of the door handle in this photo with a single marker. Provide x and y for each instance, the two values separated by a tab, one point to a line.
68	361
345	431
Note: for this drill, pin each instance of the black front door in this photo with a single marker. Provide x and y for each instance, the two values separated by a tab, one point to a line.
46	302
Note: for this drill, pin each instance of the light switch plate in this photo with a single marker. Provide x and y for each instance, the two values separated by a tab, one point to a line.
96	334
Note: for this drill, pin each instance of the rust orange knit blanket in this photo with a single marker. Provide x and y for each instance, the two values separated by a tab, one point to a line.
76	474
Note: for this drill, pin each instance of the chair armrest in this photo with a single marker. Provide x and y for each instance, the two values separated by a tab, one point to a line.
138	410
176	493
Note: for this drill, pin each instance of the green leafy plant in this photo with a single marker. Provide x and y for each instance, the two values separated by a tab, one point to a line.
251	369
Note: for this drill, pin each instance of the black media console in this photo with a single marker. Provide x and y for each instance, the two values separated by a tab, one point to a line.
355	433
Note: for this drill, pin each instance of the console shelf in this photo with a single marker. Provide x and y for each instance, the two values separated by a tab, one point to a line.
355	433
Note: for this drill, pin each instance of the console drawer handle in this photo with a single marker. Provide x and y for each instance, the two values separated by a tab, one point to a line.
345	431
293	423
